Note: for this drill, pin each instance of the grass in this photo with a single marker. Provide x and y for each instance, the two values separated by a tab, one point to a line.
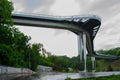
112	77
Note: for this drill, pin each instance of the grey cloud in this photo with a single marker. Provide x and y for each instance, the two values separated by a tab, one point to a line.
108	46
61	31
39	6
111	27
119	41
103	8
30	4
106	42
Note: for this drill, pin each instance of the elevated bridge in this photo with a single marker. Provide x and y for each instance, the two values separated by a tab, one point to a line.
85	27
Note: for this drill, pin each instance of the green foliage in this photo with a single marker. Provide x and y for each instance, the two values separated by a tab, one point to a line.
61	63
5	13
75	63
89	63
5	22
109	65
68	78
114	51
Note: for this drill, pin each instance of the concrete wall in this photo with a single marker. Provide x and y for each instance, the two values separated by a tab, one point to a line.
9	70
44	68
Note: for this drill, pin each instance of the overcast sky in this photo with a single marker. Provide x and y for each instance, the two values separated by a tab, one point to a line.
63	42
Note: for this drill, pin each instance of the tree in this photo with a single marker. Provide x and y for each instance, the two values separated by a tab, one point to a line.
13	44
5	22
34	55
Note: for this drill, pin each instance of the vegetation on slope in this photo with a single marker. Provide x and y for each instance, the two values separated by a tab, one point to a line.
109	65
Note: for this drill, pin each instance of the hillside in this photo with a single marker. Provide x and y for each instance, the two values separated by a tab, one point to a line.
109	65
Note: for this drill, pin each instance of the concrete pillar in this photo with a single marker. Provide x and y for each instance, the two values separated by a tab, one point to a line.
85	55
93	63
80	47
82	50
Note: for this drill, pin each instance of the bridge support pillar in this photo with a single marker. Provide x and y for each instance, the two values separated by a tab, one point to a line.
93	64
82	51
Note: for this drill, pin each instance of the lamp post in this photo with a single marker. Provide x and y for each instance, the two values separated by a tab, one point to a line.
29	61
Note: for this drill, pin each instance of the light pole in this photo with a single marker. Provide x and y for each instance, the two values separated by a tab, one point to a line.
29	61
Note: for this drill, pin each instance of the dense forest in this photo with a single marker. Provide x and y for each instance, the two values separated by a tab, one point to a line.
15	49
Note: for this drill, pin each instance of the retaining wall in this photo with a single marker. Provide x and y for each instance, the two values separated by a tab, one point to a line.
9	70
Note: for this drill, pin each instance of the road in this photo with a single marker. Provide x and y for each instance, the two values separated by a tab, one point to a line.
12	76
55	76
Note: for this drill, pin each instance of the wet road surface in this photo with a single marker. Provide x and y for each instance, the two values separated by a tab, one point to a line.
55	76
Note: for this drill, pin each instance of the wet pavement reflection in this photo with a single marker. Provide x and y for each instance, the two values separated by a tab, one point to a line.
29	77
55	75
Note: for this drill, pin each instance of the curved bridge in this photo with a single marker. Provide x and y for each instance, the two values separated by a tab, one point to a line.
86	27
